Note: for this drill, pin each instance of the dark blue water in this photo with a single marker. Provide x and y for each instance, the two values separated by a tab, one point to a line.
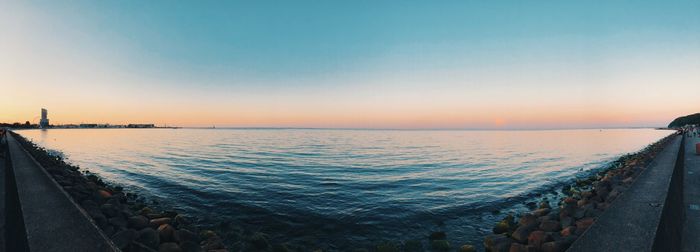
341	189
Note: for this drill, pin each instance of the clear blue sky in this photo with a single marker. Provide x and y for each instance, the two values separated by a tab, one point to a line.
446	64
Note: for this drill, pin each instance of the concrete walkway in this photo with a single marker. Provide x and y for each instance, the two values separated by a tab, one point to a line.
691	196
53	222
632	222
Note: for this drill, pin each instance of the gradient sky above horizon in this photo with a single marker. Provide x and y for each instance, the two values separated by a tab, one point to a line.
352	64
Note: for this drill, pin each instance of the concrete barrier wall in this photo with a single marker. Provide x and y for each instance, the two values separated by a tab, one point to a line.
648	216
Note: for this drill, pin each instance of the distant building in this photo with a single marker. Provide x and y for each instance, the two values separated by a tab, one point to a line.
88	125
142	125
44	122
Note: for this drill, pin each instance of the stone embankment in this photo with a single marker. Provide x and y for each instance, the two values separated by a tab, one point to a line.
122	218
556	227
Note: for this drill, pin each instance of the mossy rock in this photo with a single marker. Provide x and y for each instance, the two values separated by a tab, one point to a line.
467	248
440	245
413	246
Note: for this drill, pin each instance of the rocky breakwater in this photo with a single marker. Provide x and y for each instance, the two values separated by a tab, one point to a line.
554	228
123	216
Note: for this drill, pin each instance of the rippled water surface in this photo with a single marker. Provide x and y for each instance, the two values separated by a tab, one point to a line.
342	188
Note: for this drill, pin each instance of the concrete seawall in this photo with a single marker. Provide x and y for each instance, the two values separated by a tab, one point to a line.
649	215
41	215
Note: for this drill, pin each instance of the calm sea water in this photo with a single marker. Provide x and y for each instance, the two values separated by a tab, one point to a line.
343	188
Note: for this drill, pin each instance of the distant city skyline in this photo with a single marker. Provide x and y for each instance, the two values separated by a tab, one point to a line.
359	64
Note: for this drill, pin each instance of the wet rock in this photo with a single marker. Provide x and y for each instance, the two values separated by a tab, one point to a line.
545	204
527	219
568	231
148	237
180	220
109	210
216	243
144	211
498	243
437	236
583	224
467	248
566	221
550	226
123	238
138	222
258	240
541	212
182	235
521	233
536	238
118	221
206	234
166	233
104	194
501	227
440	245
169	247
190	246
160	221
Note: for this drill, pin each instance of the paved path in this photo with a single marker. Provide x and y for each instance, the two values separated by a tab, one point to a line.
691	196
51	220
637	213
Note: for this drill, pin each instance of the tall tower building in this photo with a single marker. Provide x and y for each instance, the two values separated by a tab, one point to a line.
44	122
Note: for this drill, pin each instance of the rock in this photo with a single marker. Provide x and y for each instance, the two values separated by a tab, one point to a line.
585	222
119	222
182	235
517	247
541	212
258	240
550	226
413	246
552	247
169	247
579	213
527	219
536	238
190	246
545	204
166	233
467	248
148	237
180	220
521	233
437	236
497	243
144	211
440	245
566	221
104	194
109	210
160	221
215	242
568	231
501	227
123	238
138	222
206	234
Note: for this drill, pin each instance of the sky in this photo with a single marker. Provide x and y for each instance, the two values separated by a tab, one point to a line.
351	64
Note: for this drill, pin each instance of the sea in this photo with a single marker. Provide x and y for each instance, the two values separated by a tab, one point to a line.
343	189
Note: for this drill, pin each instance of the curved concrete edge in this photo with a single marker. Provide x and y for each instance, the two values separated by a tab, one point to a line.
640	219
53	221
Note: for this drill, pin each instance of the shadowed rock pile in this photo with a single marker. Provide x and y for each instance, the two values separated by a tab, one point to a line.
122	216
554	228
